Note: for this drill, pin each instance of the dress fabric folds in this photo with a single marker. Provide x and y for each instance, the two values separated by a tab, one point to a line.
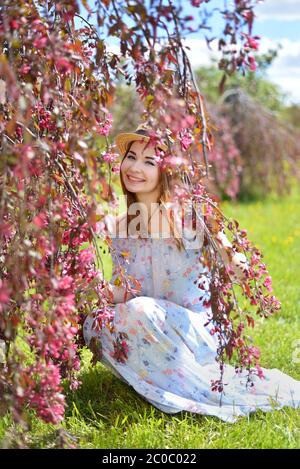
171	352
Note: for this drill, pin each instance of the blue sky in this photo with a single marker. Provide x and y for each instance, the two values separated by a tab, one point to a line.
277	22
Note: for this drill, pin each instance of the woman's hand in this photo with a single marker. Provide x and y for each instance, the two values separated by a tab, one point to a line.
238	263
240	266
115	294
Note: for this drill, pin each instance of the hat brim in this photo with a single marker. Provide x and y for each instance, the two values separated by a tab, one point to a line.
122	141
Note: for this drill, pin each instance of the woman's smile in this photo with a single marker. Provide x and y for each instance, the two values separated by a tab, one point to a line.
134	180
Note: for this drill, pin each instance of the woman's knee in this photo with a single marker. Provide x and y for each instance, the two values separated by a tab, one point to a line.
140	301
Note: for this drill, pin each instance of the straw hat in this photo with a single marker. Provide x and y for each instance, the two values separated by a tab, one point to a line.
141	133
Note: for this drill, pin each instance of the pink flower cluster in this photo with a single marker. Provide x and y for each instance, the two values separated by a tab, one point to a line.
103	127
185	139
4	294
43	391
109	157
197	3
44	118
251	42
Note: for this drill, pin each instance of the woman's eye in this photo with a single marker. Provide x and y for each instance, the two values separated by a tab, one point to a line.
132	156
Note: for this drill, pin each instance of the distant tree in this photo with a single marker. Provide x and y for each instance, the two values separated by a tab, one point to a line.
127	109
291	114
263	127
269	147
255	83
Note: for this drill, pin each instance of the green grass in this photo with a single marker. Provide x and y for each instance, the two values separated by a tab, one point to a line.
106	413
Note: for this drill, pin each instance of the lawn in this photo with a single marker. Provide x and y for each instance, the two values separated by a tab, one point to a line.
106	413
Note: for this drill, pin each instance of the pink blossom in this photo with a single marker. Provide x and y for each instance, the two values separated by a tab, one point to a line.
196	3
268	283
252	63
4	293
253	43
185	139
38	25
260	372
199	189
40	42
5	229
44	391
255	259
115	169
75	384
25	69
174	161
85	257
109	157
63	65
14	24
40	220
104	127
248	15
61	146
65	283
254	351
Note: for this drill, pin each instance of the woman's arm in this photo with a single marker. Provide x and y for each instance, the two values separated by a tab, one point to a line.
117	226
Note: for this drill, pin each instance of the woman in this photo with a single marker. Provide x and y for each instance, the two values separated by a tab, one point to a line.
162	313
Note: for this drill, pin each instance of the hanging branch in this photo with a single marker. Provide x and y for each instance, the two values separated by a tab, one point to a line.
57	158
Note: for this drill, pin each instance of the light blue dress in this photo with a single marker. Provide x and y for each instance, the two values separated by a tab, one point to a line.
171	352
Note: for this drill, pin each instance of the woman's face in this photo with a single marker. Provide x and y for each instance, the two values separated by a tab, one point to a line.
139	169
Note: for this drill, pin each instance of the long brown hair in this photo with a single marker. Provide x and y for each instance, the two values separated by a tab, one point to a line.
166	181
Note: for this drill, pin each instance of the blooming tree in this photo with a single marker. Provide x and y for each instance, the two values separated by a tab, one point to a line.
57	164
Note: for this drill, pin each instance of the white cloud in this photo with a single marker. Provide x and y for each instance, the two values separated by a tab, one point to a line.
287	10
284	71
199	53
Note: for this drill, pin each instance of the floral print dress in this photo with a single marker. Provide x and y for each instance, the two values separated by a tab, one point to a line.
171	352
